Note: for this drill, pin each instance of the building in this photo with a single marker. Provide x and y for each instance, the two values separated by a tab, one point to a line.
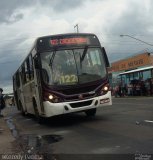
132	69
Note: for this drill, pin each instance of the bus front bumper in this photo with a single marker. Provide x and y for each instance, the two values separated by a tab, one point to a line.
52	109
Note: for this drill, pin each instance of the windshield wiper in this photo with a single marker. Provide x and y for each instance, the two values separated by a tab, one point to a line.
84	53
51	59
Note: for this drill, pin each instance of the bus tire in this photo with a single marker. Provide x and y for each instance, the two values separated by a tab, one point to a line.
39	119
91	112
21	109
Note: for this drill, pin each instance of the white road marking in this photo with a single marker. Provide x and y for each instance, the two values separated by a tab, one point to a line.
148	121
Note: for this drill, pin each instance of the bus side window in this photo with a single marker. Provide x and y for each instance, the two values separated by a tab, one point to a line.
27	77
23	75
31	72
17	80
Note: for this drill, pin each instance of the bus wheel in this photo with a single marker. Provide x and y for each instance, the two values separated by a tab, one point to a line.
91	112
22	110
39	119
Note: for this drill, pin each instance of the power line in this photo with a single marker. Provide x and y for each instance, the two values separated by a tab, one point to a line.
100	34
122	43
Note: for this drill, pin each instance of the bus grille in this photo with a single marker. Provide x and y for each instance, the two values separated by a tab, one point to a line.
79	90
81	104
76	98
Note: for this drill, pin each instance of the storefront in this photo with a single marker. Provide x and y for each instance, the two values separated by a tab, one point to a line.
139	81
133	71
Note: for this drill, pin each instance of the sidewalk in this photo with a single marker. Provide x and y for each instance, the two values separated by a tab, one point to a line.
6	138
7	141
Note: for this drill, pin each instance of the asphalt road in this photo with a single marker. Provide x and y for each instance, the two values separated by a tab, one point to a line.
124	128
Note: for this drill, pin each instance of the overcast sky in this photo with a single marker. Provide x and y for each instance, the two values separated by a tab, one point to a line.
21	21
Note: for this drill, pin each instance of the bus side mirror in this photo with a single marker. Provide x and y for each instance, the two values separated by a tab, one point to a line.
36	63
105	57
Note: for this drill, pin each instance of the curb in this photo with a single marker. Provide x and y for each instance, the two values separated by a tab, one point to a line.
133	97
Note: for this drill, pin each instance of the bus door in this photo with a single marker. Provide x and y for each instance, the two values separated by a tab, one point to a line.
38	87
29	85
16	89
20	94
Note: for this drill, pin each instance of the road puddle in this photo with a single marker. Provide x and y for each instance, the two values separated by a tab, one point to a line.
12	127
39	144
33	144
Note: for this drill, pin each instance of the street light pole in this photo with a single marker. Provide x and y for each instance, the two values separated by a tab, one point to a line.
77	28
122	35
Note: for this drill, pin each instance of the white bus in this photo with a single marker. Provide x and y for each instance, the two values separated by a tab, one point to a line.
63	74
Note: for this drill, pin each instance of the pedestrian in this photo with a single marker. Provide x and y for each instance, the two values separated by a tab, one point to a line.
2	102
120	90
116	90
125	90
130	89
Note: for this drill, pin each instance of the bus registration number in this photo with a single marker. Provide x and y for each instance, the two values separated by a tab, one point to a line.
68	78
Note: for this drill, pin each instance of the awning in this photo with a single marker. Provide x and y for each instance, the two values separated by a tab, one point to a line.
137	70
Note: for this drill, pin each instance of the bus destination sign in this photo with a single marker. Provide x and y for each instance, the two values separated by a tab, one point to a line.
69	41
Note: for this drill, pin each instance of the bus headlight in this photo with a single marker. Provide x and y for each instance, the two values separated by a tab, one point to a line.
51	97
54	99
104	89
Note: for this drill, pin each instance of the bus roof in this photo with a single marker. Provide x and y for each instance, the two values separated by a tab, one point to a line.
68	40
40	47
67	34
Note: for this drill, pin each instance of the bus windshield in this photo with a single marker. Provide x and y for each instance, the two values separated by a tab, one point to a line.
73	66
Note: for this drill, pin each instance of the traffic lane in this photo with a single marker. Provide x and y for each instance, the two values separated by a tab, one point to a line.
76	119
135	110
113	130
117	133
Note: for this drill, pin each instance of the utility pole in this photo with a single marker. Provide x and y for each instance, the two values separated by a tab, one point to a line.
77	26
